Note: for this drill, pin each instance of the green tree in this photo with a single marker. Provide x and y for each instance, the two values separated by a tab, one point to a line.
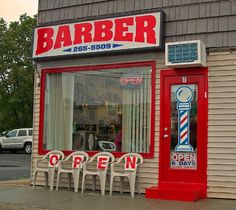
16	73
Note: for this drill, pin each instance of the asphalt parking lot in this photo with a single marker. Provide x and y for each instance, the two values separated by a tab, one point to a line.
14	166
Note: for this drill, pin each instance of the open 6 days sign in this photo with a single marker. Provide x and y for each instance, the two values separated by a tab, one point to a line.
97	36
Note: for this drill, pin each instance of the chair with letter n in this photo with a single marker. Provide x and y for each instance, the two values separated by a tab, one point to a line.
130	163
48	165
101	161
72	166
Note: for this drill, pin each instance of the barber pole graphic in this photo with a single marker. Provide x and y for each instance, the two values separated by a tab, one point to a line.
184	96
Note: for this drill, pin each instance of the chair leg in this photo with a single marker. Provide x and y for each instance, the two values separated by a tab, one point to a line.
58	181
102	184
35	175
111	184
51	178
83	183
76	180
132	184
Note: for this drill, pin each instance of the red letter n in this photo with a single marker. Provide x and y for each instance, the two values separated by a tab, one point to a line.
130	163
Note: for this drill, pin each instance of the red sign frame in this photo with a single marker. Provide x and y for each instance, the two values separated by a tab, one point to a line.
117	33
44	73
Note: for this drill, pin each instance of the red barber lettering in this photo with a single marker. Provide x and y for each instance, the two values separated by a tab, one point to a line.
122	32
102	30
145	29
122	29
45	41
63	37
83	30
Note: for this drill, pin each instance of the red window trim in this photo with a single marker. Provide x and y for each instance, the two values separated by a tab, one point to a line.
45	71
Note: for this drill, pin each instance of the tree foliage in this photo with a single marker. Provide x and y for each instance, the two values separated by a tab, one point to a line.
16	73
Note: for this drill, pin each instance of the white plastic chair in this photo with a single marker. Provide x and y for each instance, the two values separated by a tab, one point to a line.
102	160
130	163
107	146
76	160
52	158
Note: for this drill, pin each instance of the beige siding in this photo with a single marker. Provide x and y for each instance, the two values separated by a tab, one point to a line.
222	125
221	170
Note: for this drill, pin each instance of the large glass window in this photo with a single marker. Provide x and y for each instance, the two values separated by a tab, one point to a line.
98	110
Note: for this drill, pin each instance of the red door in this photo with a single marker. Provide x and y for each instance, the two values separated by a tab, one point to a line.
183	128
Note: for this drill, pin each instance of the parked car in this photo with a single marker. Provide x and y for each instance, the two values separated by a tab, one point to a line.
18	139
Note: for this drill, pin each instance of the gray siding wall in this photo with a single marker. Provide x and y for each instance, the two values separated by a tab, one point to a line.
212	21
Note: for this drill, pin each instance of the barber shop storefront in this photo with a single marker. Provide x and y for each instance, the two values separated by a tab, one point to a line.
140	80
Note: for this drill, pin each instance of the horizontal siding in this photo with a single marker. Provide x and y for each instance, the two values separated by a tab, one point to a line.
222	125
213	22
221	172
149	170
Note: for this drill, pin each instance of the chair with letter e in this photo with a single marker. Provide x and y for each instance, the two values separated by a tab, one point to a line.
72	166
129	163
102	161
50	161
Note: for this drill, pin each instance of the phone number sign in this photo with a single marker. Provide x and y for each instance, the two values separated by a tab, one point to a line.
96	36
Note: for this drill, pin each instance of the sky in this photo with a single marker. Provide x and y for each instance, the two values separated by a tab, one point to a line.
10	10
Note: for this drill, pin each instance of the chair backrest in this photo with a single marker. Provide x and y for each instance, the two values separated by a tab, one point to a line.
53	157
107	146
103	160
131	161
77	158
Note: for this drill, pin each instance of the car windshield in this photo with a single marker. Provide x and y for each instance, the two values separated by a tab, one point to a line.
12	134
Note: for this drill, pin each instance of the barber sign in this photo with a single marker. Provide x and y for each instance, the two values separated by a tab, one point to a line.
99	36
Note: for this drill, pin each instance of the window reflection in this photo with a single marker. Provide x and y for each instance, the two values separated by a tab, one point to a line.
85	107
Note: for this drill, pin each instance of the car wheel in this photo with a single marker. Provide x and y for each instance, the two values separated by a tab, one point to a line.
0	149
28	148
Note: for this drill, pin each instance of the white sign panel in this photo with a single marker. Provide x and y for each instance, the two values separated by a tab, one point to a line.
184	160
97	36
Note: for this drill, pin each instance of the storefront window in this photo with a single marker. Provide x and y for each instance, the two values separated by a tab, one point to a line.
98	110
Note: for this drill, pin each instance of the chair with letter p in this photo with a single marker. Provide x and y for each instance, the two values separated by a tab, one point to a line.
75	161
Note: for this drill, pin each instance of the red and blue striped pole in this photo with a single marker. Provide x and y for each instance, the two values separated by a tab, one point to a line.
184	96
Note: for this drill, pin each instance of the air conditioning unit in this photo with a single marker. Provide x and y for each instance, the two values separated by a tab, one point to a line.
185	54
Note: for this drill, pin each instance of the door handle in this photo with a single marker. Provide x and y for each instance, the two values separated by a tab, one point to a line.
165	136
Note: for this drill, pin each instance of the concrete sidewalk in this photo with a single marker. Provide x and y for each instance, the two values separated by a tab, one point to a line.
25	198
